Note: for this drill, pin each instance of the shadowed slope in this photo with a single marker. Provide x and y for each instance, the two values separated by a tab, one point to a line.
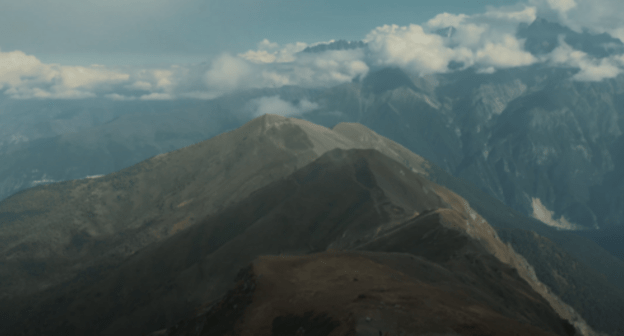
190	196
50	233
345	199
361	293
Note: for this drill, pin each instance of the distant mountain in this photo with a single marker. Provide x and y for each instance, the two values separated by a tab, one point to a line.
541	143
335	45
60	140
542	37
531	137
144	248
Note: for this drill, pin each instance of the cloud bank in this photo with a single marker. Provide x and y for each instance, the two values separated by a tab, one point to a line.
447	42
24	76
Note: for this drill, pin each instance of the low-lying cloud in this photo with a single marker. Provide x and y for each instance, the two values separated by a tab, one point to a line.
24	76
590	69
486	42
275	105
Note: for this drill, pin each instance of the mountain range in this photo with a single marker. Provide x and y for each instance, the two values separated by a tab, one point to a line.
532	137
159	244
90	188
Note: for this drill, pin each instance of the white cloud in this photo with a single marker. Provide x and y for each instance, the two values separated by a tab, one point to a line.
327	68
486	41
228	73
75	77
590	69
409	47
599	16
16	65
509	53
528	14
561	5
275	105
270	52
24	76
444	20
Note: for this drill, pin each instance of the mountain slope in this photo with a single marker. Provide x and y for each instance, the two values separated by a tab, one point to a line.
351	293
48	246
368	201
115	215
542	143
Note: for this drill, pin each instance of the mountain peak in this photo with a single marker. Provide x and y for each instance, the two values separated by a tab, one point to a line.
542	37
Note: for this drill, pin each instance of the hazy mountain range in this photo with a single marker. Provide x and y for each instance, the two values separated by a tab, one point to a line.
140	249
127	244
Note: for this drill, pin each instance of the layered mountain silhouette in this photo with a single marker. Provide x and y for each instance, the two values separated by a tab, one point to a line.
533	137
284	227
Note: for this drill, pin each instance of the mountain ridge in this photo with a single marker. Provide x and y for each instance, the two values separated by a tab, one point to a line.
404	163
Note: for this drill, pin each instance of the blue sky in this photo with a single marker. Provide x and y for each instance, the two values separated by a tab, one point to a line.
166	49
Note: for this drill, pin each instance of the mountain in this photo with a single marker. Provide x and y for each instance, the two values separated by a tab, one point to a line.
286	216
144	199
334	45
45	142
344	298
540	142
76	139
542	37
146	247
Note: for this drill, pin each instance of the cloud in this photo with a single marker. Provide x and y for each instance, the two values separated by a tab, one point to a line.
285	67
228	73
81	77
27	77
270	52
561	5
506	54
409	47
275	105
24	76
590	69
598	16
486	41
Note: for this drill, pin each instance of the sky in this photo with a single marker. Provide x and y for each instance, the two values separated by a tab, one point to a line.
165	49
